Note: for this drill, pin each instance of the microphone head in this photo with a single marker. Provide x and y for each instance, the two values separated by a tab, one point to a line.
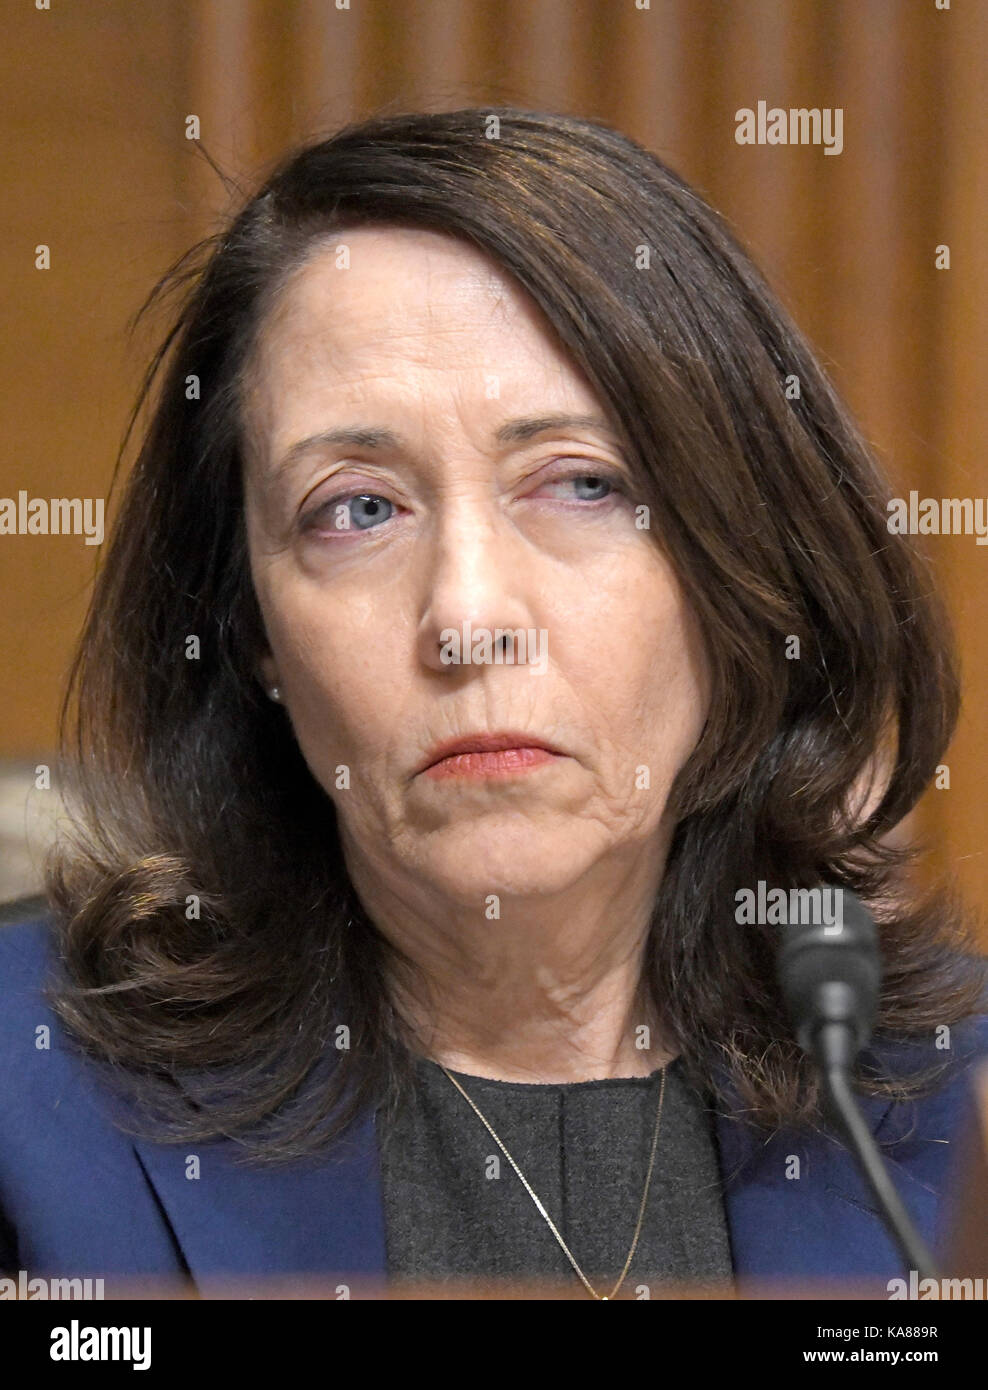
831	972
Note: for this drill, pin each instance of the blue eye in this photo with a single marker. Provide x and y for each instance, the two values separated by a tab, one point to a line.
327	517
593	479
374	503
602	487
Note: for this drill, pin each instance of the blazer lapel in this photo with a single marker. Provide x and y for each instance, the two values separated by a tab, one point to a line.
319	1218
797	1206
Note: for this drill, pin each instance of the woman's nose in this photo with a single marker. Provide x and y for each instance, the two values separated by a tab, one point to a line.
476	580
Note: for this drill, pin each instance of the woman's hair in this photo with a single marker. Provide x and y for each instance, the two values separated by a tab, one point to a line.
215	950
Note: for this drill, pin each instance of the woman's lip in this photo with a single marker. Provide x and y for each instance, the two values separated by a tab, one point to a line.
484	743
501	762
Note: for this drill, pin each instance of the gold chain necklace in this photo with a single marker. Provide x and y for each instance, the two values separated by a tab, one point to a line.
641	1211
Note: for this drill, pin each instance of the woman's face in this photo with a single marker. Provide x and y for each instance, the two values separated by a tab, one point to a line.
450	507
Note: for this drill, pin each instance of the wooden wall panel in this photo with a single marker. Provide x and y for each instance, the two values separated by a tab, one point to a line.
88	133
954	382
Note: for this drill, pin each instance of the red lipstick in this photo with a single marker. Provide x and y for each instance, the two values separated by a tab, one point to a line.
488	755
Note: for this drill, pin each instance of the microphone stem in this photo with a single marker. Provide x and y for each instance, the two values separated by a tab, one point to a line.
837	1084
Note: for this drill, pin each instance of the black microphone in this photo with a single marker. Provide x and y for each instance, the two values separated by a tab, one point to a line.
830	976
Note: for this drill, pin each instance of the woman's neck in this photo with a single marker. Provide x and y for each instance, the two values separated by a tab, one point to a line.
516	1019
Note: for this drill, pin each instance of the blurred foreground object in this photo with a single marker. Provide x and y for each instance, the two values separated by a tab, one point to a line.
28	815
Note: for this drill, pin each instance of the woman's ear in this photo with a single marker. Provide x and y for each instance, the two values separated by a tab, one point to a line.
267	673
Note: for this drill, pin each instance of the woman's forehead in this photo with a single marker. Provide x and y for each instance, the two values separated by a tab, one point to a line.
402	312
399	279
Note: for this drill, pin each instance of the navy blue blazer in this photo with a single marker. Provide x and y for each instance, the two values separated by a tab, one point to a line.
79	1197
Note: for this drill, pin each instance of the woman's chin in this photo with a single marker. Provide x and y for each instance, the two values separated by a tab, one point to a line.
472	867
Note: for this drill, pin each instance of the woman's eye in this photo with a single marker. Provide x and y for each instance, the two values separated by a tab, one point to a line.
596	482
356	512
367	509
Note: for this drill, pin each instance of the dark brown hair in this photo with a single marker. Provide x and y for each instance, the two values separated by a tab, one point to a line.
193	798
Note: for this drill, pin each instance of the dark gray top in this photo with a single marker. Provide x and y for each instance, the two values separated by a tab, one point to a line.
455	1208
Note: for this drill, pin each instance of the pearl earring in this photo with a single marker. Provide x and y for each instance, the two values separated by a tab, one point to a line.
275	694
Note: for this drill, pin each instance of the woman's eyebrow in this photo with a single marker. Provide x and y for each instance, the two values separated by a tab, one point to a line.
528	426
516	431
